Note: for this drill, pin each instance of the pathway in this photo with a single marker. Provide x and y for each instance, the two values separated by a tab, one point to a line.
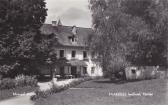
24	99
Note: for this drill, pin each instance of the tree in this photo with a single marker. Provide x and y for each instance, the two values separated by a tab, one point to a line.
126	32
151	51
114	30
21	43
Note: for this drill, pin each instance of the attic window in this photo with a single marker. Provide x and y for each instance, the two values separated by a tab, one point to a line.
54	23
73	38
74	30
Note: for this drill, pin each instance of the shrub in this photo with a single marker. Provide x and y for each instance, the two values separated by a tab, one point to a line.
22	80
7	83
19	81
55	88
116	68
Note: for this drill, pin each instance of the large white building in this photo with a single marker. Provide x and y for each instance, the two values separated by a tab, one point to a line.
72	49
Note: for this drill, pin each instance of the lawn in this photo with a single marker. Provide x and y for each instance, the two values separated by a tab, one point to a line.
105	92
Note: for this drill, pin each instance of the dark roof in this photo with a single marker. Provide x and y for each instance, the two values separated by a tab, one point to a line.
64	32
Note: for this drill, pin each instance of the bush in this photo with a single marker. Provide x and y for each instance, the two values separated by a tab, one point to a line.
7	83
19	81
55	88
117	69
22	80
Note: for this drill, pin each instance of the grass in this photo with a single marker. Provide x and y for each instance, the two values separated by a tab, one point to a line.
96	92
9	93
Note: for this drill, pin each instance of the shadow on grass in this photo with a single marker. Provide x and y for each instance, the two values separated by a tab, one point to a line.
116	81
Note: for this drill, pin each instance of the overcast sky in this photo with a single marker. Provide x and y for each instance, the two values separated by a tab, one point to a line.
71	12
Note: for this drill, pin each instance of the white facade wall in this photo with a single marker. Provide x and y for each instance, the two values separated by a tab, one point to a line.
79	56
68	53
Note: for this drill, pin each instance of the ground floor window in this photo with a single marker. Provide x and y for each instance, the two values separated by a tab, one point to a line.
92	70
69	70
84	70
73	70
62	72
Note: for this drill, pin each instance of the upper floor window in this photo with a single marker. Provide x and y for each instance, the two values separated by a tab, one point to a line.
61	53
73	54
84	54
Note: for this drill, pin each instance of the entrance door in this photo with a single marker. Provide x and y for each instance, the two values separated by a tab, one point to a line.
62	71
74	71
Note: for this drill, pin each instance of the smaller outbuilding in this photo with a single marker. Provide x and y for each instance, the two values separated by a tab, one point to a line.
140	73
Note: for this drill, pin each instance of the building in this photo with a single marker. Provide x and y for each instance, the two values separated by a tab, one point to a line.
72	48
142	72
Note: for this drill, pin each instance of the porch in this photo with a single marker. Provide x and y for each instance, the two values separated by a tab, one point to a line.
72	69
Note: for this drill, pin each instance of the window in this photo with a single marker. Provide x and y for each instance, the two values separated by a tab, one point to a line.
62	72
73	39
92	70
61	53
84	54
133	71
73	54
69	70
84	70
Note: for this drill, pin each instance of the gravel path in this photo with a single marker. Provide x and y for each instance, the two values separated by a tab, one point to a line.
24	99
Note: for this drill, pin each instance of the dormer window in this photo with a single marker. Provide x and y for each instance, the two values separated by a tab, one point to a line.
73	38
74	30
54	23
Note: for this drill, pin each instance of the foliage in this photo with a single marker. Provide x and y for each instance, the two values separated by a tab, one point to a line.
7	83
129	32
20	15
152	50
22	45
19	81
58	88
22	80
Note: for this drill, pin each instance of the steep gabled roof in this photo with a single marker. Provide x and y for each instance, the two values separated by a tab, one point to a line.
64	32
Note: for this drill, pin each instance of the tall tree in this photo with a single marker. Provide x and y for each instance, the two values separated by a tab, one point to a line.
21	43
126	32
154	14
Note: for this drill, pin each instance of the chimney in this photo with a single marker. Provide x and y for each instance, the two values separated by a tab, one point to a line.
54	23
74	30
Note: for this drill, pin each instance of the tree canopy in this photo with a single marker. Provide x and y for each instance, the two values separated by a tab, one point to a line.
21	43
130	32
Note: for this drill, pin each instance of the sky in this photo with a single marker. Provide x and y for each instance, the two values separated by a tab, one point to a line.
70	12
